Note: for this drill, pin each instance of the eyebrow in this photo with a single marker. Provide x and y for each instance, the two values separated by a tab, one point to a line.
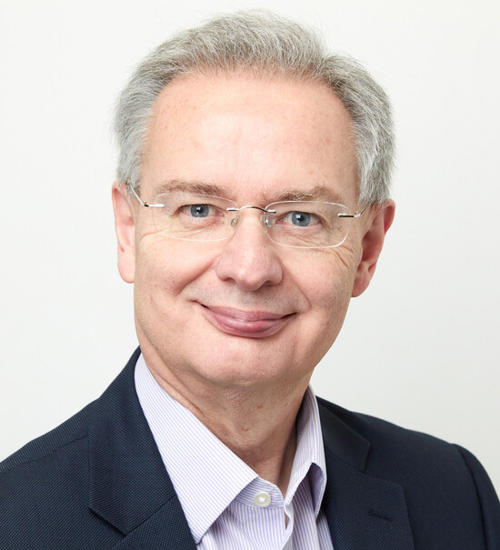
319	192
195	187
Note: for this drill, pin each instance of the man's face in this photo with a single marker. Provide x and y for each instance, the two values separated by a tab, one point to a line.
242	311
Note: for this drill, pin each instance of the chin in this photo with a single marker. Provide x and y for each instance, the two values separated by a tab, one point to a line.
239	372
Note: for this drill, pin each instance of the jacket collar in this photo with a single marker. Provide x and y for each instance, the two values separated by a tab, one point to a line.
129	487
362	511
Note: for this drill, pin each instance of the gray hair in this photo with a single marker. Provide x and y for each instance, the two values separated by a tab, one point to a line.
265	44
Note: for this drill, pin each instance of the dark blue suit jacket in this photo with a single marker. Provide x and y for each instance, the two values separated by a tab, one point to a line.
97	482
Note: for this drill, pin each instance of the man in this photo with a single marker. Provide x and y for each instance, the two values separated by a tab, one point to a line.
251	204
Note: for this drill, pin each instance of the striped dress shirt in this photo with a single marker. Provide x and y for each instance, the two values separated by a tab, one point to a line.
226	504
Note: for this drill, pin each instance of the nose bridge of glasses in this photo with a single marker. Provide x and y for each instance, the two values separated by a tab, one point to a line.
263	218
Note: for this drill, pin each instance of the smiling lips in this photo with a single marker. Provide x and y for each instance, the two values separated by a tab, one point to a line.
247	324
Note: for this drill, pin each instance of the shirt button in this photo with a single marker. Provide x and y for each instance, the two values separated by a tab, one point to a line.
263	500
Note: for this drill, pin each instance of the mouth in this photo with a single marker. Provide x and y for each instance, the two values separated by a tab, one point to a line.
246	324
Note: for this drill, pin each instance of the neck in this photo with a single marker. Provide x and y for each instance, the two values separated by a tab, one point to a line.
256	423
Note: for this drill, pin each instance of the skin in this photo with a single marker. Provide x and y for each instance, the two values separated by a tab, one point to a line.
255	138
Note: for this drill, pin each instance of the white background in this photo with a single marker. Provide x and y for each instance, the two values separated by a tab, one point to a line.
419	348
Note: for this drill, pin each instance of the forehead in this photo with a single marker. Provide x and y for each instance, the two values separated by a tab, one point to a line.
251	135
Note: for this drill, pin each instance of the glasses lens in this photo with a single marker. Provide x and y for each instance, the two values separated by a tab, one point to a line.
191	217
308	224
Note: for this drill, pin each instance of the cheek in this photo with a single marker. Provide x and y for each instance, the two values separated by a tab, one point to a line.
329	291
330	299
332	275
162	262
328	295
161	275
164	268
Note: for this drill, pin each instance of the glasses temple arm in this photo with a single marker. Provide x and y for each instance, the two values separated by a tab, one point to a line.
355	215
141	202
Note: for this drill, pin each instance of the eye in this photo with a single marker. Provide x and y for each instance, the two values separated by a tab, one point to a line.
301	219
199	210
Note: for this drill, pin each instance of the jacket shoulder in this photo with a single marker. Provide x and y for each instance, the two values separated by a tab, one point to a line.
70	431
44	493
446	487
420	462
390	440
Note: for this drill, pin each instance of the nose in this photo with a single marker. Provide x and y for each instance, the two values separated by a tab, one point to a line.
249	258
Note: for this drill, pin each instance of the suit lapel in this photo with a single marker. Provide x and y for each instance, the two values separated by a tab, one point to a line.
363	512
166	529
129	486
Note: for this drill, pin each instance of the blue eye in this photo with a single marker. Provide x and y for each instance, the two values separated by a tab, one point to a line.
199	210
301	219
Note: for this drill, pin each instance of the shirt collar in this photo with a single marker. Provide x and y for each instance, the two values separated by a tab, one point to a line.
310	452
207	475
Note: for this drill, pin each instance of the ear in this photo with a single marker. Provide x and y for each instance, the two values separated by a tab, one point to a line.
380	217
125	232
